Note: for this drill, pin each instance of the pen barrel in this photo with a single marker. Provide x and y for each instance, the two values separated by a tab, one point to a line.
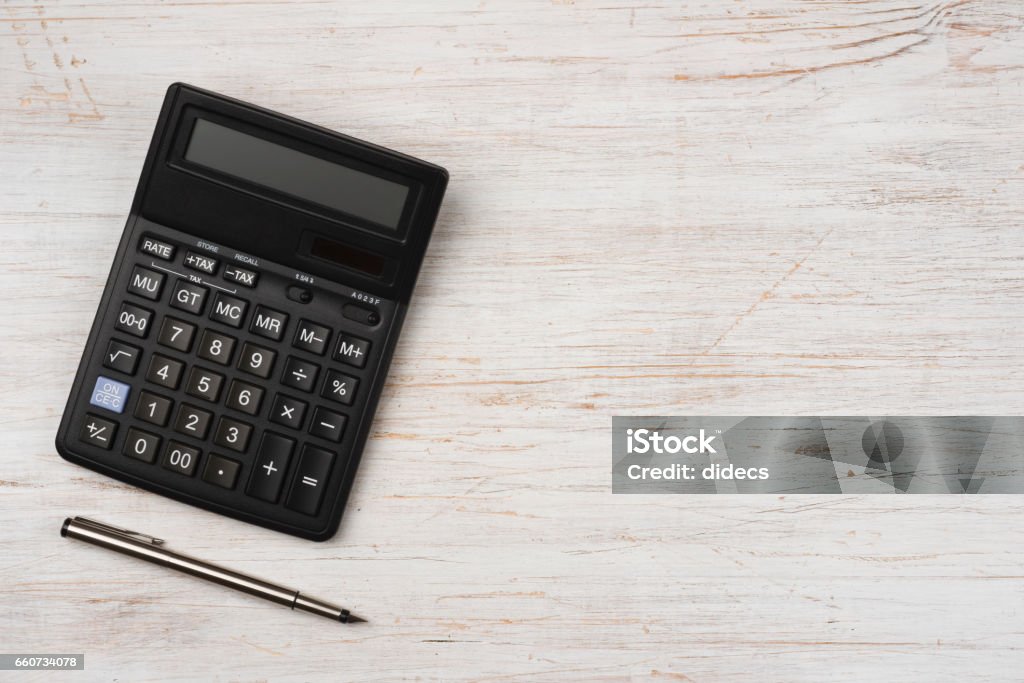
85	530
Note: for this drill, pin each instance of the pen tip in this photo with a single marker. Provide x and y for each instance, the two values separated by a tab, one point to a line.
353	619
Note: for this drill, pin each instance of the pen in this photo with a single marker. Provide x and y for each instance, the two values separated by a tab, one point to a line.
151	549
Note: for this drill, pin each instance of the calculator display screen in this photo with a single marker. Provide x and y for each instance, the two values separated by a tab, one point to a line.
295	173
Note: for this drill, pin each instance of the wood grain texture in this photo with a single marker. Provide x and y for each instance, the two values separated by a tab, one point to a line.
758	207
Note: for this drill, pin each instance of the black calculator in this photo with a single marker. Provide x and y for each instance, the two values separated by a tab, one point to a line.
252	310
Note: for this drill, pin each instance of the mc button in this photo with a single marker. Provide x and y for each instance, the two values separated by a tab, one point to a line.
228	310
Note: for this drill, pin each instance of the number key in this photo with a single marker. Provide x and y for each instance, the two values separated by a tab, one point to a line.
133	320
216	347
141	445
192	421
232	434
176	334
244	397
256	360
153	409
164	371
180	458
204	384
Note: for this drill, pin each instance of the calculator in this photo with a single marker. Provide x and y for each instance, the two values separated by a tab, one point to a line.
252	310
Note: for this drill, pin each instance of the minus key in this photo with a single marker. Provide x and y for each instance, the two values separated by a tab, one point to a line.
327	424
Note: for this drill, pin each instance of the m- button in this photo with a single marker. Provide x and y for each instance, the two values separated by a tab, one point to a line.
228	310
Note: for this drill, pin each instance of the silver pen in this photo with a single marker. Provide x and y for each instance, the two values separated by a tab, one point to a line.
151	549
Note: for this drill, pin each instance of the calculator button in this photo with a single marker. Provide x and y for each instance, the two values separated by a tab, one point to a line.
351	350
269	323
200	262
300	374
244	397
216	347
192	421
339	387
97	431
161	250
122	357
177	334
180	458
240	276
256	360
310	479
133	320
141	445
189	297
271	464
288	411
204	384
153	409
327	424
164	371
228	310
232	434
221	471
146	283
311	337
109	394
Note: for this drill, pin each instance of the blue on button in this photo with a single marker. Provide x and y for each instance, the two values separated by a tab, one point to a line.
109	394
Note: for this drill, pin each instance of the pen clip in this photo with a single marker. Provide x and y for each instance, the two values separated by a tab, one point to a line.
128	533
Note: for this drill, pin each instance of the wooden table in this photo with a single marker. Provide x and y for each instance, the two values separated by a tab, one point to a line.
758	207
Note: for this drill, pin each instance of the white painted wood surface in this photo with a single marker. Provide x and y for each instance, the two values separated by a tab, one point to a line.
748	207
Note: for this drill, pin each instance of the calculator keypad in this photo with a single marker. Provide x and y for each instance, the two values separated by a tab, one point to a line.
193	399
